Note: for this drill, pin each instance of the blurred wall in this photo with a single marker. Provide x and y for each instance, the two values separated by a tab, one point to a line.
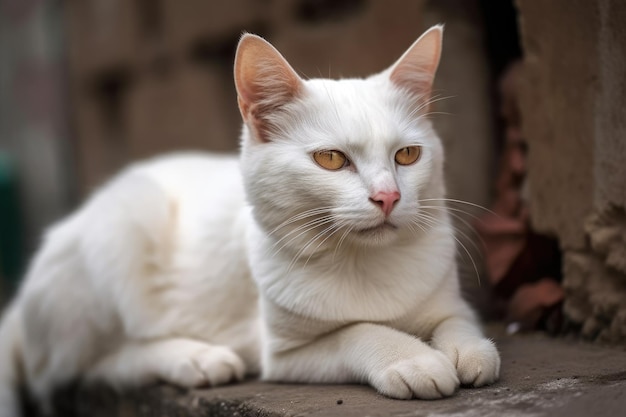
574	116
150	76
33	125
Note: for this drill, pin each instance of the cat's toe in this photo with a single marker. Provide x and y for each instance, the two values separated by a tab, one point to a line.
208	366
185	373
220	365
426	377
478	363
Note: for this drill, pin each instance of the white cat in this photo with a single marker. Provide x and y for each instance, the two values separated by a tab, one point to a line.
335	210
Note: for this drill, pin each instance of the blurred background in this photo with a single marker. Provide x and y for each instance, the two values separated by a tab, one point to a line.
87	86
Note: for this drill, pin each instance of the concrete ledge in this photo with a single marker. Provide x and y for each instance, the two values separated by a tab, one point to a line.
540	377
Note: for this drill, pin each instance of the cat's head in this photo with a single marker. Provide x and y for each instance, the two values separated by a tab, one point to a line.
329	162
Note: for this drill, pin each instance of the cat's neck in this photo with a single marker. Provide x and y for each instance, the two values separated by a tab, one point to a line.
346	284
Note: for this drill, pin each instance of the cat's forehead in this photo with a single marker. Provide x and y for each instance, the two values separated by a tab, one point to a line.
347	92
360	111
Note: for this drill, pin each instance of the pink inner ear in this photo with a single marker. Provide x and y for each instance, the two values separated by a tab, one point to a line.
265	82
415	70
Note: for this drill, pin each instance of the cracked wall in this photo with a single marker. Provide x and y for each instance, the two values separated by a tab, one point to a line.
574	117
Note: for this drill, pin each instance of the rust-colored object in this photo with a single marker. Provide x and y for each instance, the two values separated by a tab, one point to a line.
529	302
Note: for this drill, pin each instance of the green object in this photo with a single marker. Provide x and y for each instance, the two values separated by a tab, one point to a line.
10	225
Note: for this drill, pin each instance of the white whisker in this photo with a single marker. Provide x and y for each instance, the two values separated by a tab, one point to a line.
467	224
307	228
456	230
427	103
305	247
343	237
434	221
300	216
335	227
434	113
452	200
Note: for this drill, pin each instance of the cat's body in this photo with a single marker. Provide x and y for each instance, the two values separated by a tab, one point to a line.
354	264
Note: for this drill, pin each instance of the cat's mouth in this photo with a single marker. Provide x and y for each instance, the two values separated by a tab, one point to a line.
384	226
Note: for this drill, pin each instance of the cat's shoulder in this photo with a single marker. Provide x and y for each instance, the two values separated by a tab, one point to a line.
186	162
189	168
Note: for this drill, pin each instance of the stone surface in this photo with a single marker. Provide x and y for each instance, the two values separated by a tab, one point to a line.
574	119
610	112
595	297
558	107
540	377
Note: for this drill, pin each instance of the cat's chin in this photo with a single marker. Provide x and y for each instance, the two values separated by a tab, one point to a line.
378	235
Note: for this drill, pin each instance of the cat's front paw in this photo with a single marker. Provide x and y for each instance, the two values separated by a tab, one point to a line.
206	365
427	376
477	361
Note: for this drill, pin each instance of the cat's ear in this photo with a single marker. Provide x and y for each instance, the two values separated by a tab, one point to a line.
264	81
415	70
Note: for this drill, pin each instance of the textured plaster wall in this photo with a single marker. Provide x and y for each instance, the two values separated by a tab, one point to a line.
574	113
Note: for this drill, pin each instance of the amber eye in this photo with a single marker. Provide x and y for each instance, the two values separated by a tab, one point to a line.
332	160
408	155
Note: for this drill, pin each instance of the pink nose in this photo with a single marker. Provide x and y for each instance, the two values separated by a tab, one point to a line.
385	200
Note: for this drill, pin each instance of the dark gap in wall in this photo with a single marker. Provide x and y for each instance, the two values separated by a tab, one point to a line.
150	14
110	91
503	47
110	88
319	11
503	40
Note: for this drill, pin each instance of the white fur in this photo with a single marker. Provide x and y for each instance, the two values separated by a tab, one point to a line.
154	277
